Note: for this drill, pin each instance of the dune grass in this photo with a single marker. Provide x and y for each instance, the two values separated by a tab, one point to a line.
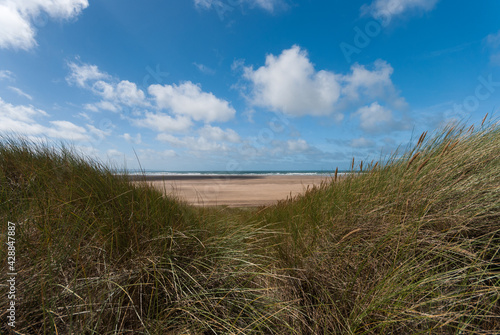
407	246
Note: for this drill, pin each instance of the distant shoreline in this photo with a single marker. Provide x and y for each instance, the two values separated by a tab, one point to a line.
152	177
216	175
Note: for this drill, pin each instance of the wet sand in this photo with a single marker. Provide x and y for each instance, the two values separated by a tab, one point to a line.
232	191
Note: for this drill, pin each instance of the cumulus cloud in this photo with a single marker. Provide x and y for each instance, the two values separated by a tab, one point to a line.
372	83
387	9
81	73
21	115
67	130
16	17
217	134
188	100
114	93
162	122
167	108
22	120
289	83
124	92
376	118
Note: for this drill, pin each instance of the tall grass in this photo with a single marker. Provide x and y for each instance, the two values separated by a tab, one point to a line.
407	246
96	255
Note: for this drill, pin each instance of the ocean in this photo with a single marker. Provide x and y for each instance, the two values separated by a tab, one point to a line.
233	173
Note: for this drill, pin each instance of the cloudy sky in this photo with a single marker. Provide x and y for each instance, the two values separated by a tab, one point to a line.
244	84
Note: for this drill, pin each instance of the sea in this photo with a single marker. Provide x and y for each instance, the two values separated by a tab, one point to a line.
233	173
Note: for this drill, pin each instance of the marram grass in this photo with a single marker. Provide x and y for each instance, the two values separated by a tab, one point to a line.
407	246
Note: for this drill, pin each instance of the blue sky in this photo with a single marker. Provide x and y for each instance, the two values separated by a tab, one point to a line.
244	84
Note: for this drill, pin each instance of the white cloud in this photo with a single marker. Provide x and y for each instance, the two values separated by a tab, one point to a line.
20	92
290	84
115	94
104	89
374	117
387	9
162	122
128	94
16	28
210	139
16	31
195	144
22	120
124	93
80	74
297	145
129	138
372	83
67	130
361	143
6	74
188	100
217	134
102	105
98	133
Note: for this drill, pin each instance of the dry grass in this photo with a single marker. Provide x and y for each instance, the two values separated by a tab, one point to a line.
405	246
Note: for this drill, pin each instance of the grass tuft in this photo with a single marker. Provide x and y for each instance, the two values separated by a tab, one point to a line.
408	245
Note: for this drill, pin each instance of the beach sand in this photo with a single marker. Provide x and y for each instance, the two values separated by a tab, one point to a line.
233	191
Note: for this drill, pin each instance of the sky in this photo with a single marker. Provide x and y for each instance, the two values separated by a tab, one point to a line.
239	85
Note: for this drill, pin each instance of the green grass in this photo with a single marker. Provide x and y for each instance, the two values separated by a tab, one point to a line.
405	247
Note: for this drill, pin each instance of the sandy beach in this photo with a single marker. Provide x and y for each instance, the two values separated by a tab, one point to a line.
233	191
